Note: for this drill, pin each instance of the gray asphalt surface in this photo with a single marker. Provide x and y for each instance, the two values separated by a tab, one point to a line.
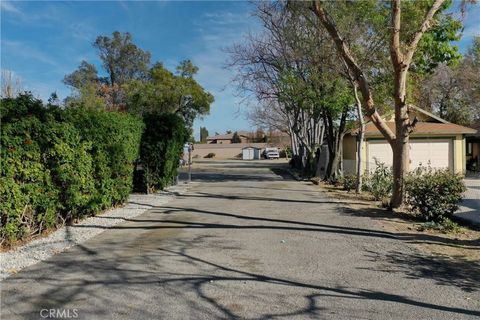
470	206
246	242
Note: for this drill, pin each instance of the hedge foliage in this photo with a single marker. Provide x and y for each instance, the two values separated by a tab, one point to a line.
434	194
379	182
162	145
431	194
59	165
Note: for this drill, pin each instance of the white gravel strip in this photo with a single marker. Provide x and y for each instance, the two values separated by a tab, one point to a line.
65	237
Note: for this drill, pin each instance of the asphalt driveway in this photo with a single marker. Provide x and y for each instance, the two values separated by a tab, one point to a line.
470	206
247	242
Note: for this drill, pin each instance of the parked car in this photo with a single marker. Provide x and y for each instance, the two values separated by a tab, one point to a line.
271	153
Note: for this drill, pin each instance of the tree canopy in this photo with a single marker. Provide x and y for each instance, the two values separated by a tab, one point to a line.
121	58
133	85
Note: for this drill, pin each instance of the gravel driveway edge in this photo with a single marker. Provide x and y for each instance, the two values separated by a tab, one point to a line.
68	236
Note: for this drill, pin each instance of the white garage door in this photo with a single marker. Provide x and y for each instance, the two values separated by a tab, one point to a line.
380	151
434	153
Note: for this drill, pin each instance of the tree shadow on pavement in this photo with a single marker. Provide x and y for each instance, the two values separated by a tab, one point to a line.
210	195
445	271
454	272
113	283
415	238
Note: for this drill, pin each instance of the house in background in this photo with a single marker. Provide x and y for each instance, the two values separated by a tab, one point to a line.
227	138
434	142
473	149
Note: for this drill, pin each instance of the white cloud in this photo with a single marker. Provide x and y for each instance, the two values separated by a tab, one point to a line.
10	7
24	50
218	31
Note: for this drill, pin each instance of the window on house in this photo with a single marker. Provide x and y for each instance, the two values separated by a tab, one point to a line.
469	148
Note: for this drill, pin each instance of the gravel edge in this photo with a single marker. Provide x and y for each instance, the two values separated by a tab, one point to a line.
66	237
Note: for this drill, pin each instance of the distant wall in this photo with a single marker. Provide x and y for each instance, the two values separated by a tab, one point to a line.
224	151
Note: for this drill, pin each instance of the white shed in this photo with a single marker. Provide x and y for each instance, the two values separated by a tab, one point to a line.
250	153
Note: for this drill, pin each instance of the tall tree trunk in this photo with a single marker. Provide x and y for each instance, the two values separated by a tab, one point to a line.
400	148
334	143
318	170
360	137
401	62
401	163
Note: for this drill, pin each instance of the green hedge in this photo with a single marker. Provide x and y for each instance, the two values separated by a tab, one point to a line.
59	165
162	145
434	194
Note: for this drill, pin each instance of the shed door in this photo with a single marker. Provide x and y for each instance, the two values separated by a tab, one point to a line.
247	154
435	153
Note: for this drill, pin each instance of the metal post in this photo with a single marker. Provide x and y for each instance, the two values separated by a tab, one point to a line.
189	163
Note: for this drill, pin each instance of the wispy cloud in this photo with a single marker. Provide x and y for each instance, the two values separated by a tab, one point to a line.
24	50
218	31
82	31
123	4
8	6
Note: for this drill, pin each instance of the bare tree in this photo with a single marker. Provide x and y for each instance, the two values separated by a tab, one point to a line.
285	69
453	92
11	84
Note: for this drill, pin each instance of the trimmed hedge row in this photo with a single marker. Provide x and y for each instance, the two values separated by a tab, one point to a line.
60	165
162	144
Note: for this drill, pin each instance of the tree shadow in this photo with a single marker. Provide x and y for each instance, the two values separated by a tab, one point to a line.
386	215
114	282
445	271
219	177
210	195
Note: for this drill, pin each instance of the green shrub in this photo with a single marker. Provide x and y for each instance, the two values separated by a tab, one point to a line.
161	147
349	182
210	155
59	165
380	182
115	139
434	194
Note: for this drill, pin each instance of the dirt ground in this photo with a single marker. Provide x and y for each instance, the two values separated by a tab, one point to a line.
462	243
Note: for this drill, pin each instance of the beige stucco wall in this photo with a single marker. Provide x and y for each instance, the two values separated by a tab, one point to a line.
223	151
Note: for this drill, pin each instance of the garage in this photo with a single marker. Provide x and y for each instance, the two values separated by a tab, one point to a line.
434	142
436	153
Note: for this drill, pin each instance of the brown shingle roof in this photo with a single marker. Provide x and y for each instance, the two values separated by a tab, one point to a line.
228	136
476	126
425	128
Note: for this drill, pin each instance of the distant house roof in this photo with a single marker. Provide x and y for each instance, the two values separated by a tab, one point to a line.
228	136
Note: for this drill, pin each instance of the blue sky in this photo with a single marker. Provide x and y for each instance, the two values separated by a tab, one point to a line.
42	41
